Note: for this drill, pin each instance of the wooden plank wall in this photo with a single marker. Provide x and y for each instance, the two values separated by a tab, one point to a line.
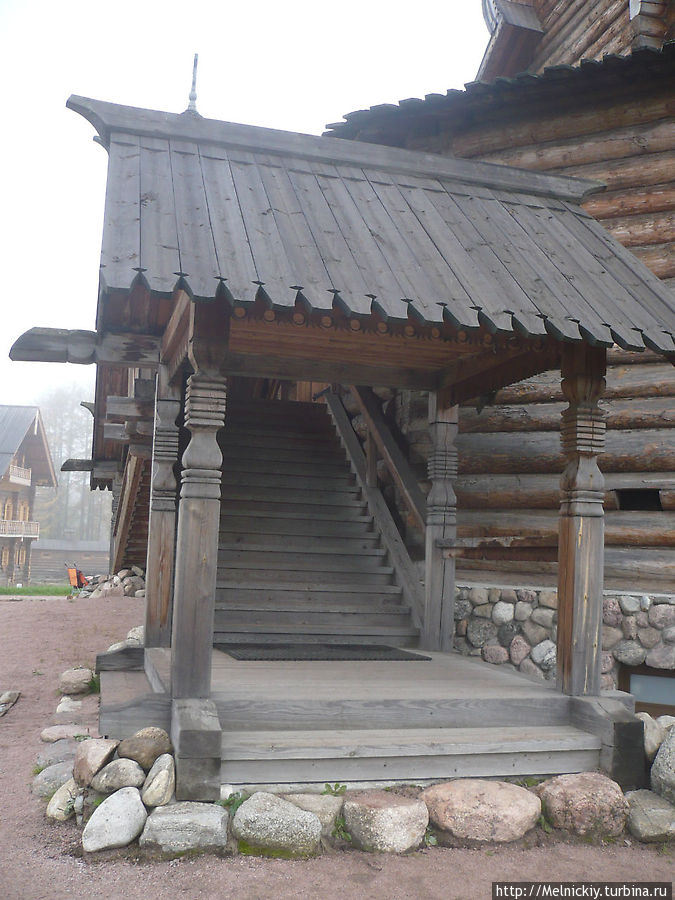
581	28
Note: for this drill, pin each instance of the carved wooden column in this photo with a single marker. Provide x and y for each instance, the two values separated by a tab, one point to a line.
441	523
162	524
114	509
197	539
581	542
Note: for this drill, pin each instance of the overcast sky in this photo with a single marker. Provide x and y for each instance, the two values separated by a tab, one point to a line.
295	65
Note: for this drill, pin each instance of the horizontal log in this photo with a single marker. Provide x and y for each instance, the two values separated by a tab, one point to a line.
658	168
655	380
653	412
86	347
637	201
534	127
642	230
660	259
539	452
615	143
543	491
623	529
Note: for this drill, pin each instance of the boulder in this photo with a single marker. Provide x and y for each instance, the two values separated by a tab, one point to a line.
544	655
145	746
666	722
506	633
653	735
534	633
630	606
502	612
66	707
60	732
59	751
384	822
90	757
325	807
544	617
186	826
495	654
527	667
480	632
518	650
611	636
275	826
611	611
508	595
76	681
629	653
483	612
523	611
480	810
52	778
118	774
116	822
663	768
587	804
549	599
650	817
662	657
662	616
160	783
62	805
136	636
649	637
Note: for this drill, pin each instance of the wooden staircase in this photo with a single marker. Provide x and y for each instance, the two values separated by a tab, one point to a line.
301	559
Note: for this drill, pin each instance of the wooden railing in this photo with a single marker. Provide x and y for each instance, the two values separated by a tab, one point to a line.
17	528
19	475
380	441
396	549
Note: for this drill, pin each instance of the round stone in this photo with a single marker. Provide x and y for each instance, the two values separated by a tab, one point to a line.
145	746
481	810
116	822
629	653
502	612
118	774
383	822
587	804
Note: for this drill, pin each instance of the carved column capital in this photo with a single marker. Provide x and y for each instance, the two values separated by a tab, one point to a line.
205	402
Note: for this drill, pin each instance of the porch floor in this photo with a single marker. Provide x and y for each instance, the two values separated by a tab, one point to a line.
307	722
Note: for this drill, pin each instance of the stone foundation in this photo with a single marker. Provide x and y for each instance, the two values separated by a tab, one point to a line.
518	627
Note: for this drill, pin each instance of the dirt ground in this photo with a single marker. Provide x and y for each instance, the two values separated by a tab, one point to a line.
39	638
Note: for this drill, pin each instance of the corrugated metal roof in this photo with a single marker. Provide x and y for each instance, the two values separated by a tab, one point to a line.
14	423
202	204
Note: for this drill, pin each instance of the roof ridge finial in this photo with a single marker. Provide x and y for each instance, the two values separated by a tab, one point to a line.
192	105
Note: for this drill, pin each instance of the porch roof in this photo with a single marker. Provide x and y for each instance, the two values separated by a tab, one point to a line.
289	219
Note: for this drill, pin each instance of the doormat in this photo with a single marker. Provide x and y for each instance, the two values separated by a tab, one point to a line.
319	652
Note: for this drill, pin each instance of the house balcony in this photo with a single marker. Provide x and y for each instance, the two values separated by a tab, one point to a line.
17	529
19	475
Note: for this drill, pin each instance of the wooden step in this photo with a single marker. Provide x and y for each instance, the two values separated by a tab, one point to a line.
305	481
307	495
412	707
282	410
240	505
337	468
244	451
291	621
277	522
389	754
284	543
348	603
306	578
322	588
265	559
317	447
390	635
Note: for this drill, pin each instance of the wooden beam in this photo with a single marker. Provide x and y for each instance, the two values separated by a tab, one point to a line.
398	465
174	346
487	373
86	347
77	465
129	408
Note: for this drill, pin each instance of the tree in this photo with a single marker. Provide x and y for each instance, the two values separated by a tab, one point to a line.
71	511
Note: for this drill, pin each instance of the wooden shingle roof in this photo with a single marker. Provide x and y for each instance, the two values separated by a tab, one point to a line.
211	206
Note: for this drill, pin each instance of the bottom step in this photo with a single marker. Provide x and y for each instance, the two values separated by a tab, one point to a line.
413	753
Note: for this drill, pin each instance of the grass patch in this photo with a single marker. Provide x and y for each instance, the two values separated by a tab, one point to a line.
38	769
37	590
234	801
94	684
340	830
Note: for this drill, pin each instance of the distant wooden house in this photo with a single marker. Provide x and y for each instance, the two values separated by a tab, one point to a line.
50	557
549	98
25	463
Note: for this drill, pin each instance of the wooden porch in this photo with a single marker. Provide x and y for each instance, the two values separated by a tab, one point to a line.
452	716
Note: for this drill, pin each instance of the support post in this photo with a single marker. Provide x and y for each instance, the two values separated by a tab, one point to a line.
116	495
197	539
162	524
581	541
11	562
439	578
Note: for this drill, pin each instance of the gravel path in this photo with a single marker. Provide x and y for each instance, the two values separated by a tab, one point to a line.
38	861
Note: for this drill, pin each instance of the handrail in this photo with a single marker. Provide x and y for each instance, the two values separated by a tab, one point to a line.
398	466
21	473
398	554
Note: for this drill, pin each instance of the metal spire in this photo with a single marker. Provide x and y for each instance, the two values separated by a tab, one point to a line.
192	105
